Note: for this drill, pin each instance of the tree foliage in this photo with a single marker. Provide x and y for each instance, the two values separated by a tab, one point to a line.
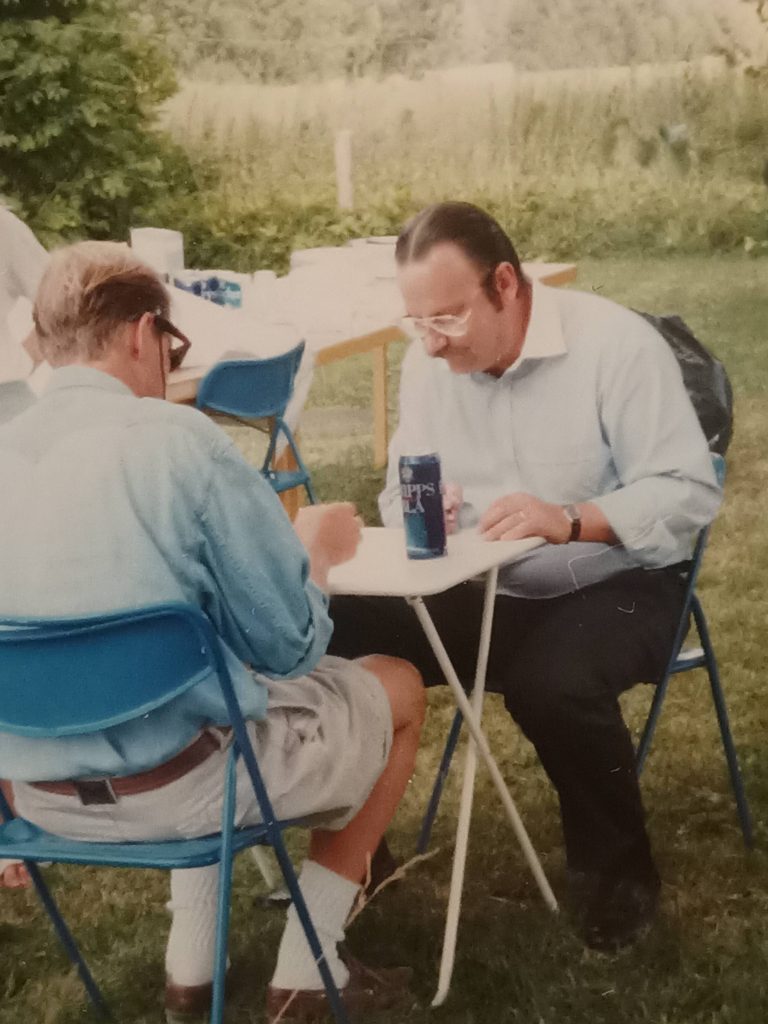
79	87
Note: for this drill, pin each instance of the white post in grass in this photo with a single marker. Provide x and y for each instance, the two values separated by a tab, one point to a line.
343	159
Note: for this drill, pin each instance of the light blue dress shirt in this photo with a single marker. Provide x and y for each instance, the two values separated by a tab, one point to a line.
594	409
111	501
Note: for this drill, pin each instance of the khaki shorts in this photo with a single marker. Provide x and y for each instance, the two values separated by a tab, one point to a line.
321	748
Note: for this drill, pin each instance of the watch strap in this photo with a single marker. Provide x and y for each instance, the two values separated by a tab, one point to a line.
574	518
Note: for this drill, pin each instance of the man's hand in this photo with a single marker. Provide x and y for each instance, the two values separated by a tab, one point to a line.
521	515
330	533
453	498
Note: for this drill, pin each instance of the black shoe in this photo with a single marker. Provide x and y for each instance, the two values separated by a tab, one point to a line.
383	865
581	888
619	911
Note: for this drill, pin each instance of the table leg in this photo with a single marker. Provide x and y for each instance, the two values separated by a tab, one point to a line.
291	500
472	718
263	863
465	805
379	356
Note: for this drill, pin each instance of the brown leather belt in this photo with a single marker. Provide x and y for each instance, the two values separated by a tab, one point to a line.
107	791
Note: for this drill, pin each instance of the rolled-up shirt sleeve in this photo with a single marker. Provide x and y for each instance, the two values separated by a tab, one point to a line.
668	490
260	596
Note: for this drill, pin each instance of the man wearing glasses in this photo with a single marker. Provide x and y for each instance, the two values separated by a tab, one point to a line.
562	415
121	500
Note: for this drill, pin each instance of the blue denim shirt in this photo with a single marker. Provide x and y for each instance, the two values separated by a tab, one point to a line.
15	397
112	501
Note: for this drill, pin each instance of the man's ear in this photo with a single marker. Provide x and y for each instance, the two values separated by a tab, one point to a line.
142	336
507	282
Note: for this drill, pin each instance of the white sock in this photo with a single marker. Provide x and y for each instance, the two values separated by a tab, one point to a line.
192	939
329	899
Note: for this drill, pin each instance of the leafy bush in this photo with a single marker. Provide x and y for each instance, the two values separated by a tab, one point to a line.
78	91
224	227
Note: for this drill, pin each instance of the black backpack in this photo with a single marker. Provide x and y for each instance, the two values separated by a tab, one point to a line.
705	379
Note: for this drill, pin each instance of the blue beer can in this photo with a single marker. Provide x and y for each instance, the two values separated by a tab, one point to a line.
422	501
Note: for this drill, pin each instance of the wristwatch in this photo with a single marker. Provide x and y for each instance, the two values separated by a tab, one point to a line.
573	516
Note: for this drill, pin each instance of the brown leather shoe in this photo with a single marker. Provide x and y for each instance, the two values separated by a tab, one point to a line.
368	989
187	1004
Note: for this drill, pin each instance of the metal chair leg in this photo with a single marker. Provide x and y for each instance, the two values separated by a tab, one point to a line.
437	789
310	492
67	941
651	721
275	838
334	996
718	698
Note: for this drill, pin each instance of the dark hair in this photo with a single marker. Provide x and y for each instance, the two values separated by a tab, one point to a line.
481	238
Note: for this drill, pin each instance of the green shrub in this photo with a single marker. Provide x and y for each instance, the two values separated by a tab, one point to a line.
79	154
241	229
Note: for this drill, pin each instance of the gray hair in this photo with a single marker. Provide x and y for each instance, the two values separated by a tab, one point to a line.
87	293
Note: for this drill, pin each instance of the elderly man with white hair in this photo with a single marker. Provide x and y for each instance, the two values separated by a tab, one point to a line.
121	499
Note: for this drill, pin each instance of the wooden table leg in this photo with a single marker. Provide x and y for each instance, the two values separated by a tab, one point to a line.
380	406
297	496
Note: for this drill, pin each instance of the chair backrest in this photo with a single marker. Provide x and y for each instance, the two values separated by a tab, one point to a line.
63	677
251	388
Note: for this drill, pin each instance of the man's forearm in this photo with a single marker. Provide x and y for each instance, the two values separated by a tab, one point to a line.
594	525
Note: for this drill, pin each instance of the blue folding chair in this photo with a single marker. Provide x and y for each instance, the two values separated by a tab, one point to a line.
701	656
72	677
680	660
258	389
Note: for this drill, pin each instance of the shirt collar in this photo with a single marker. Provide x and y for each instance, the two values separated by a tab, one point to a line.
544	334
85	377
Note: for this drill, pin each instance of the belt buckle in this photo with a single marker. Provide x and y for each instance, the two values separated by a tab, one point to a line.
222	735
95	791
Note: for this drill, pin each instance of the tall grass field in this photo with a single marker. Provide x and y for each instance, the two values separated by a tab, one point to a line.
665	157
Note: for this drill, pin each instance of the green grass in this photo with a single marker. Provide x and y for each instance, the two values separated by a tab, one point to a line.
705	962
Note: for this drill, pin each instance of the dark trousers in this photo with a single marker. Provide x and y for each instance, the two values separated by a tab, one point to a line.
561	664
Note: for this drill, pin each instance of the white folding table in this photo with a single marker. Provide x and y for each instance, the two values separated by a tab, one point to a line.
381	568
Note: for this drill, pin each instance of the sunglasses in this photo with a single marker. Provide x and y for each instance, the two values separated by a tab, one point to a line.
177	352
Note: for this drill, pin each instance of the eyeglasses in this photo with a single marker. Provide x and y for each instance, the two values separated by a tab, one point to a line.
177	352
450	325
